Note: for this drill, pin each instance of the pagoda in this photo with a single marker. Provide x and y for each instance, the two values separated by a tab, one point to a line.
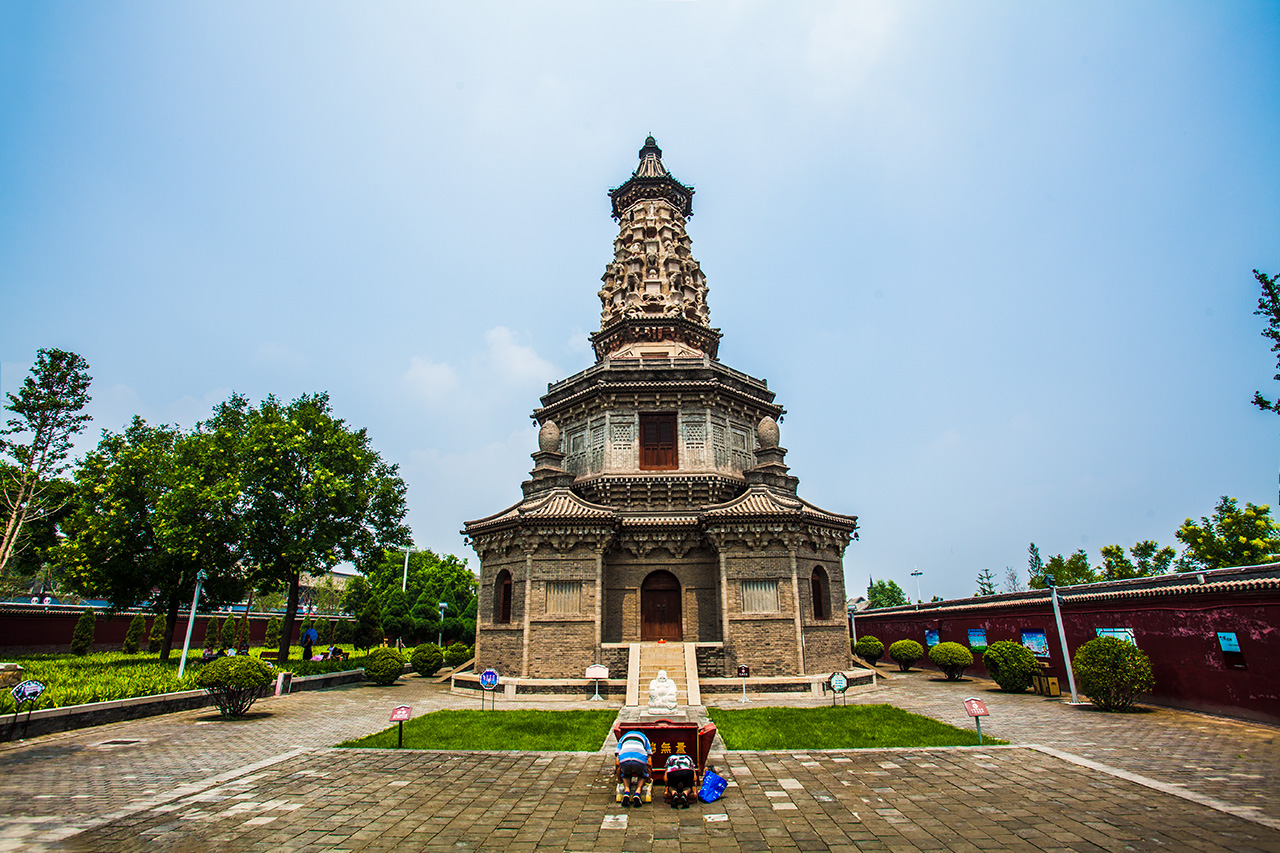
660	508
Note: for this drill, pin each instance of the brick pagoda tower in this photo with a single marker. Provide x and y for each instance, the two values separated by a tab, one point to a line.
660	506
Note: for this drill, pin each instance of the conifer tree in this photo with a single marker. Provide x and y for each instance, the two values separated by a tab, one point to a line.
82	638
159	630
133	636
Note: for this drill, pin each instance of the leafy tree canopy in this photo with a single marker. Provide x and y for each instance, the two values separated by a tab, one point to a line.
1269	307
1148	559
1065	571
46	415
885	593
1233	537
986	583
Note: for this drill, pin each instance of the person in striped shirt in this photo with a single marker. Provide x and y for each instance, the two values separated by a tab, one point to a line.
681	773
634	750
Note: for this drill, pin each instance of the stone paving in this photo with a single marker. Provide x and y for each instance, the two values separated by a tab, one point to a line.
1073	780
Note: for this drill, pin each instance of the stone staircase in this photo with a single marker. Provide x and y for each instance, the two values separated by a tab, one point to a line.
646	659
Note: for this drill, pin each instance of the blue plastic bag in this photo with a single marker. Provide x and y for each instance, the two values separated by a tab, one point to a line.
713	786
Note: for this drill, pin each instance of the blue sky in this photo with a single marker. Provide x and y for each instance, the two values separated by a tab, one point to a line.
994	258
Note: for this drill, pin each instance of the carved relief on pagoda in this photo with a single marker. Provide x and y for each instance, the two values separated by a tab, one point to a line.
653	272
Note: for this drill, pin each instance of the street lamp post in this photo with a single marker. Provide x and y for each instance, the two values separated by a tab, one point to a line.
191	623
444	605
853	632
404	580
916	574
1062	638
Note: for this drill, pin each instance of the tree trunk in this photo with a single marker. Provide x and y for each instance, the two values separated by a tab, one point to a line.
290	613
13	524
171	614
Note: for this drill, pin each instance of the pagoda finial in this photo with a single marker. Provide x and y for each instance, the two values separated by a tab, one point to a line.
651	180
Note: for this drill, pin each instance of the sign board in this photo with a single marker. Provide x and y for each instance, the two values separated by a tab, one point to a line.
1227	641
27	691
839	683
930	638
976	708
597	671
400	714
489	679
1036	642
1125	634
978	639
744	672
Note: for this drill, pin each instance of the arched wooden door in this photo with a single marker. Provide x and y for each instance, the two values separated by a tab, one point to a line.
660	607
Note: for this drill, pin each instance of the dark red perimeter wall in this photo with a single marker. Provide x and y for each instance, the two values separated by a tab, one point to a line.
1176	629
50	628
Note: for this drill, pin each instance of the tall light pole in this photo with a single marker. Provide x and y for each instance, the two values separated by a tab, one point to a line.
916	574
404	580
191	623
1062	638
444	605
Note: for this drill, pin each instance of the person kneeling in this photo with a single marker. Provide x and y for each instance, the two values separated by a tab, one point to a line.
681	774
633	767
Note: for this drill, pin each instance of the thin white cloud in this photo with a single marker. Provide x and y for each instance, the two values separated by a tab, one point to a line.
516	363
431	381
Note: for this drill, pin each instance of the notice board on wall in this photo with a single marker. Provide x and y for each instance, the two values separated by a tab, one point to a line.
1037	642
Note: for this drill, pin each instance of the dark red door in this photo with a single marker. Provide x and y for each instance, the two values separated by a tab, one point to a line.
660	607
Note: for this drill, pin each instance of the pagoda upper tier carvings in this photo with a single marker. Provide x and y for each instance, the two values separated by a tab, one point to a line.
653	272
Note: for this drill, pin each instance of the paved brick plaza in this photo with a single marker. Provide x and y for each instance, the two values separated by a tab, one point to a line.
1073	780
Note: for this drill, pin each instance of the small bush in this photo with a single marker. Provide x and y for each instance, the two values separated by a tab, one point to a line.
82	638
272	639
368	632
159	630
457	654
345	631
228	635
384	666
133	636
869	649
235	683
1011	665
211	634
905	653
427	659
322	631
1112	673
952	658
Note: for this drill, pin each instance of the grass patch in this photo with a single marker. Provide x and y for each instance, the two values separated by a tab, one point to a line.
106	676
578	731
843	727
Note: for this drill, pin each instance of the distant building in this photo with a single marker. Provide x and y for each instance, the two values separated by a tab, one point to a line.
660	507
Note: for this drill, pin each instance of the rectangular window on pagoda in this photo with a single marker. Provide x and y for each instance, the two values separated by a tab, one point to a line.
658	442
760	597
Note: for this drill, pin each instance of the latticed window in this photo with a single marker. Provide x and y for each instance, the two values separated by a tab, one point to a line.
564	596
760	597
658	442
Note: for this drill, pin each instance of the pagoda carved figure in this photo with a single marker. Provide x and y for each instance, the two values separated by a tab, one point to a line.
660	507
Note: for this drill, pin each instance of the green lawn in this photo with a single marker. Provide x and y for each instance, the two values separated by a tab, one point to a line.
104	676
578	731
842	727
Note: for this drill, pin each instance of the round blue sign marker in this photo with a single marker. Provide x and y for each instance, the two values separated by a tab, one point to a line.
489	679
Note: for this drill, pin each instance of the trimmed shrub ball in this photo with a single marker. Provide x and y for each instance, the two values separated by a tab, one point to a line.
905	653
235	683
869	649
457	654
426	659
384	666
1011	665
952	658
1112	673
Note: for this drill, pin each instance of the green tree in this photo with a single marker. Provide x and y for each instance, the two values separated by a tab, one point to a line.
986	583
82	636
885	593
1269	307
1035	566
314	493
356	593
133	636
426	618
211	634
1233	537
1148	559
159	631
227	639
272	638
396	621
37	438
368	626
1065	571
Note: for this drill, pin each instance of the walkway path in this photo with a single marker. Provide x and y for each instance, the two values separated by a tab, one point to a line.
190	782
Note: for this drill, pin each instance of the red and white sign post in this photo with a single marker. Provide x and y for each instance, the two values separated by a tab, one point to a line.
399	715
977	709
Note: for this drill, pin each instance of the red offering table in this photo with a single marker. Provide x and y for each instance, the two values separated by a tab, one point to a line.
672	738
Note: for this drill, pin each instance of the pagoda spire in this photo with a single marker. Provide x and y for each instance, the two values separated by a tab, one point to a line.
653	278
